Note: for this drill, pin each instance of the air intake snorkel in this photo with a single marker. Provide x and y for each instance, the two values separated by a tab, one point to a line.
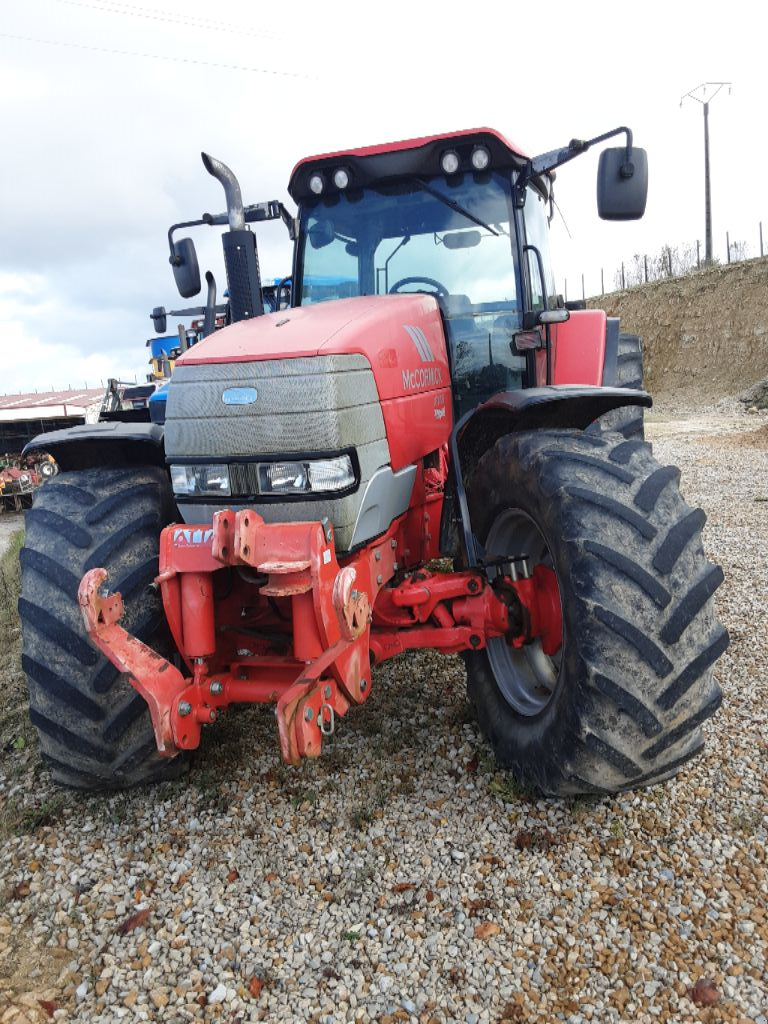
241	258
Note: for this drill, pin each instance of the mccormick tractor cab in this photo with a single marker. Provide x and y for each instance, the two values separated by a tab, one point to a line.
425	396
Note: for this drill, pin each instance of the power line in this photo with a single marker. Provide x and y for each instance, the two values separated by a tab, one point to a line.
133	11
153	56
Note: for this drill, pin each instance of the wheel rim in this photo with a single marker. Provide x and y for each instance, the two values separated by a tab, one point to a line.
526	676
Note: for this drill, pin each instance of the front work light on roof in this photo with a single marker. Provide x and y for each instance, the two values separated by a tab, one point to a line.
480	158
317	184
340	178
449	161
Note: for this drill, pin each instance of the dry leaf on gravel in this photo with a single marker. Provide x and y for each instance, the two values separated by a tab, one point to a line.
704	993
475	906
486	930
511	1012
49	1007
255	986
134	921
539	840
403	886
233	875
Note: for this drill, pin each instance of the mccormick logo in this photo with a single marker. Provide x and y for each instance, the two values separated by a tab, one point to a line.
183	538
429	377
419	339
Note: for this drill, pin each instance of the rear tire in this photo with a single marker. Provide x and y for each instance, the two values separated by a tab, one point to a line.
94	727
633	680
629	420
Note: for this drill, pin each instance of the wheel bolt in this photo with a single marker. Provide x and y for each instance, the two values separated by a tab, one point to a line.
217	688
185	708
212	715
308	714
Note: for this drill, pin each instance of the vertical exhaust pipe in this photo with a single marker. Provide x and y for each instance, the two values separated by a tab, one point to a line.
241	257
231	187
209	324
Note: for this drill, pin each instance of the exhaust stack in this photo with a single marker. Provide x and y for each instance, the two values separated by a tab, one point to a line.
231	187
241	257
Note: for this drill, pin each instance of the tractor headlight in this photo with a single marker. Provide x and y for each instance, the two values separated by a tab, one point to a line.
200	480
315	476
283	477
331	474
247	479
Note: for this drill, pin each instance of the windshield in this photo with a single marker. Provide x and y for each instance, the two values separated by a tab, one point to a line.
455	241
370	241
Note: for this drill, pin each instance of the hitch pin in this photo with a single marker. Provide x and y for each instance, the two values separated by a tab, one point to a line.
327	727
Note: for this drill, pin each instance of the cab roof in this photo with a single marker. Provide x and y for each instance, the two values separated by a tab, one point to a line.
409	157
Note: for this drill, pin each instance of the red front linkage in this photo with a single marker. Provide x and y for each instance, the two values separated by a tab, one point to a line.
264	613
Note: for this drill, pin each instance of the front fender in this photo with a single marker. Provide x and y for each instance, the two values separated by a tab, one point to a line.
89	445
555	407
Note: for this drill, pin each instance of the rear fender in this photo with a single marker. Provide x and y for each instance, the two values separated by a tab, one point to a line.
556	407
90	445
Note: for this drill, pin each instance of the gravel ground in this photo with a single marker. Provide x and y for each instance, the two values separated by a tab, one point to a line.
400	877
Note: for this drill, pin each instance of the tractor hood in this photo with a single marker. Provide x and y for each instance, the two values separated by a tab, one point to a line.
401	336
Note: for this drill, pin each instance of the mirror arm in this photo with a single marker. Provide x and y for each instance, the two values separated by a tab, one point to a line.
557	157
174	259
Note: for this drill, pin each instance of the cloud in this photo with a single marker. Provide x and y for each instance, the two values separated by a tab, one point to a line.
101	150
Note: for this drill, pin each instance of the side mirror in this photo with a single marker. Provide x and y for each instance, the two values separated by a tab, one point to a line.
159	319
622	184
186	271
542	317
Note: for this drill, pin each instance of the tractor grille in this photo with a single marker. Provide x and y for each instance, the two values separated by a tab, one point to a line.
305	406
244	478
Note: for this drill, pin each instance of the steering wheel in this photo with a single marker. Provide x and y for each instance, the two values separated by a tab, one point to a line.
440	289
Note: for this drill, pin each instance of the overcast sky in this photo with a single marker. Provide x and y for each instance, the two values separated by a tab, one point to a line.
101	144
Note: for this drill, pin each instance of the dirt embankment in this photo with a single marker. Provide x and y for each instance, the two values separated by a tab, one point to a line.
706	334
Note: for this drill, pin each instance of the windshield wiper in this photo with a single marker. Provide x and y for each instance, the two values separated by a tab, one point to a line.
453	205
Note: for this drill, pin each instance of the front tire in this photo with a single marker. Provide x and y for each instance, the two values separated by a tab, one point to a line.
94	727
633	680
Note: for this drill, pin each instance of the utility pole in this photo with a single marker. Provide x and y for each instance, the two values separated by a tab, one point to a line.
700	95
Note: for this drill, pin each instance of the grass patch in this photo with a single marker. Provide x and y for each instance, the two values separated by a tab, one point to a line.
29	807
10	584
17	739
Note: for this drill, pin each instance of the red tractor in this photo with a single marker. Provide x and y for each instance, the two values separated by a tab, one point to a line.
426	397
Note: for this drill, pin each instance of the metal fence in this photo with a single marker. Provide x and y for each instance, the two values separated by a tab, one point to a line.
669	262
